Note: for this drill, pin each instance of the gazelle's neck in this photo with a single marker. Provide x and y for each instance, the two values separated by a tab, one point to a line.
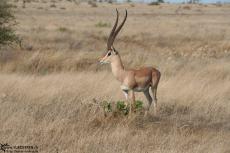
118	68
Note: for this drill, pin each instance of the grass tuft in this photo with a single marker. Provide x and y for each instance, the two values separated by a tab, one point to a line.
63	29
101	24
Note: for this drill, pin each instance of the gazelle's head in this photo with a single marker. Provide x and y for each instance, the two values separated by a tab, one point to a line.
111	52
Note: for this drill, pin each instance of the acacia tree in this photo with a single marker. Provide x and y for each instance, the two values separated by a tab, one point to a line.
7	20
160	1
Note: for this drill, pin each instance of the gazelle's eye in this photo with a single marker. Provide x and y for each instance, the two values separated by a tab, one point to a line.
109	53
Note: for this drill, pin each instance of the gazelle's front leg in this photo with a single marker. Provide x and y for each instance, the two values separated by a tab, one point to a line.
132	100
125	92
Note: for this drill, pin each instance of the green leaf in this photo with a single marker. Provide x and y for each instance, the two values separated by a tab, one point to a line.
138	104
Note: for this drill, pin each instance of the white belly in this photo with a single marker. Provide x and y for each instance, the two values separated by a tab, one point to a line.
123	87
137	89
140	89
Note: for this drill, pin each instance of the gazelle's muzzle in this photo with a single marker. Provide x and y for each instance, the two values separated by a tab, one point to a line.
102	60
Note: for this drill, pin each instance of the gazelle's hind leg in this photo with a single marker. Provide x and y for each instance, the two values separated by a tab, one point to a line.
154	91
150	100
156	75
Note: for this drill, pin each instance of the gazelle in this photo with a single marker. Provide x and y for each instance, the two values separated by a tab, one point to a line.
139	80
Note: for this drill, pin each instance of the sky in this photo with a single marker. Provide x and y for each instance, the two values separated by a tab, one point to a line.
180	1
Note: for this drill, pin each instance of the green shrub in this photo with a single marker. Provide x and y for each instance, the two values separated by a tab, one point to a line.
157	2
63	29
138	105
7	20
154	3
122	107
102	24
107	106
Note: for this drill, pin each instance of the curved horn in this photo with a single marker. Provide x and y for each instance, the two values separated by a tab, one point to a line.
110	39
119	28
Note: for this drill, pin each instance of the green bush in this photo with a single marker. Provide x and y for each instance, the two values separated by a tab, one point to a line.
7	20
122	107
102	24
157	2
63	29
107	106
138	105
154	3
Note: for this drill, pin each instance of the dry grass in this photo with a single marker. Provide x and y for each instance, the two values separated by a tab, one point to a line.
48	88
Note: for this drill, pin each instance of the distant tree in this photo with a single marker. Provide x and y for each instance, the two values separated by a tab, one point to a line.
108	1
193	1
7	20
156	2
160	1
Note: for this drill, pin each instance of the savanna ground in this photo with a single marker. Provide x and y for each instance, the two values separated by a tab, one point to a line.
50	88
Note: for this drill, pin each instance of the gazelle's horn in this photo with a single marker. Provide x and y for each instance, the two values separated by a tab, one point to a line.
110	39
119	28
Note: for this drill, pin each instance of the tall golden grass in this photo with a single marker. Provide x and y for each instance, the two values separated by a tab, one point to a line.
49	87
